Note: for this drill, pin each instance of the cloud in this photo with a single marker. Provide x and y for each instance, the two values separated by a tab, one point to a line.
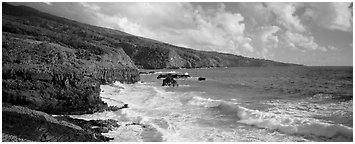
296	16
333	16
177	23
256	14
285	13
332	48
264	39
266	36
48	3
301	42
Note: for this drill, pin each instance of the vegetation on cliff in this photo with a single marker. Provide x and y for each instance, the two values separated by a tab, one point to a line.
48	65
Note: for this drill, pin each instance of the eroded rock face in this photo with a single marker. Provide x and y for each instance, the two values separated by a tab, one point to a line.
56	65
55	80
24	124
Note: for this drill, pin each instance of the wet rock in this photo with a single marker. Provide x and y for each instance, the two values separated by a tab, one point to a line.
177	76
169	81
113	108
93	126
32	125
201	78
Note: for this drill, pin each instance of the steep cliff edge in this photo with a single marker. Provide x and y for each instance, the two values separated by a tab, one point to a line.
57	71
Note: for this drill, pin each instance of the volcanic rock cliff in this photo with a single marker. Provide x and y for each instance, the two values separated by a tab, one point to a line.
54	65
50	64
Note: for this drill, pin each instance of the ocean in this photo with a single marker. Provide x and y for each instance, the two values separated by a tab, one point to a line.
248	104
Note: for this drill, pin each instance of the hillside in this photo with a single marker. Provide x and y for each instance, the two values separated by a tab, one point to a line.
149	54
145	53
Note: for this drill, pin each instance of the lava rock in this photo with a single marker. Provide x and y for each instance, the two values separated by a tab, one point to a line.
32	125
169	81
201	78
177	76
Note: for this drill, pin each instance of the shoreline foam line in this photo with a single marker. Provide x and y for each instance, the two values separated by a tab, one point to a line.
285	124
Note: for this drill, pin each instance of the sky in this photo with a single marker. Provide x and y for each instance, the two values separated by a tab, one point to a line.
314	34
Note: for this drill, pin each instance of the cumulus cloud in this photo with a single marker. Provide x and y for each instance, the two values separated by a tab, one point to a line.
334	16
302	42
177	23
286	16
332	48
265	38
266	35
256	14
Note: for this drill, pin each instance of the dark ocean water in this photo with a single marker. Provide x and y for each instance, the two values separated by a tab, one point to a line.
237	104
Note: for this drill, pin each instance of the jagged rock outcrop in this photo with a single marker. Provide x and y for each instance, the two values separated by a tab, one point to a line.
92	126
24	124
169	81
57	71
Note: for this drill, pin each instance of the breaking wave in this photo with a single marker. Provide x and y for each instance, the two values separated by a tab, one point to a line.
164	110
283	123
165	72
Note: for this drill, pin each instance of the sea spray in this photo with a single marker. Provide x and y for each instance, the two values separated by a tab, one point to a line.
179	116
283	123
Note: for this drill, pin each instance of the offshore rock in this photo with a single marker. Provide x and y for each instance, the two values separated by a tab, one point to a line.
169	81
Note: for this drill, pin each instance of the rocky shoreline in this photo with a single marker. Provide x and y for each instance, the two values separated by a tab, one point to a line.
23	124
48	72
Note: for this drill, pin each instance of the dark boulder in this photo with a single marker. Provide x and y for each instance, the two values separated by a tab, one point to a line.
201	78
169	81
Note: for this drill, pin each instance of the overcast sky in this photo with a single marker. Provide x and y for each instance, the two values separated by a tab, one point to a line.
303	33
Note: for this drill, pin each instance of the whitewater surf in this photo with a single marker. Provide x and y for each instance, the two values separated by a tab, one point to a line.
202	113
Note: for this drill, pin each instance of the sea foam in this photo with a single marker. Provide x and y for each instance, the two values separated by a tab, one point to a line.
165	112
283	123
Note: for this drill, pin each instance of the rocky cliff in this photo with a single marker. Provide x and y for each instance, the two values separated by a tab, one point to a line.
55	65
24	124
